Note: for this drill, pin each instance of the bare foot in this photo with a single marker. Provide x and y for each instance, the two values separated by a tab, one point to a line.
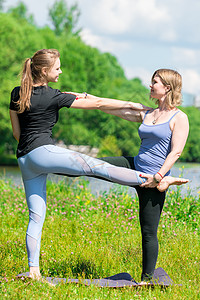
169	180
34	273
38	276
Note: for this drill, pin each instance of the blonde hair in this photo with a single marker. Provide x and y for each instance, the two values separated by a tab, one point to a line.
32	73
172	79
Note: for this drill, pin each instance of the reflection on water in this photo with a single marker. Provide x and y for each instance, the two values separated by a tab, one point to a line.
13	173
97	186
191	172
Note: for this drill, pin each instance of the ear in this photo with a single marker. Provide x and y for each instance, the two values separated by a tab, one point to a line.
44	71
168	88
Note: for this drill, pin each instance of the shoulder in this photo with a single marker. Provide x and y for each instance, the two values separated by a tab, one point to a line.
55	93
45	90
15	93
181	116
14	98
180	121
51	90
61	99
17	88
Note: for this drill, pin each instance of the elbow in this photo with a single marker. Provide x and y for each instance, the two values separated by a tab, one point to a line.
99	104
177	154
16	135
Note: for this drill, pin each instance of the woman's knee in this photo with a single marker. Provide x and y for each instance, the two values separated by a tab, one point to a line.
149	233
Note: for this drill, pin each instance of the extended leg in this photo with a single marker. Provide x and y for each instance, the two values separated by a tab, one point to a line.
52	159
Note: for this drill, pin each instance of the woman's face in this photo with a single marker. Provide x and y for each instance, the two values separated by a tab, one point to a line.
54	72
158	89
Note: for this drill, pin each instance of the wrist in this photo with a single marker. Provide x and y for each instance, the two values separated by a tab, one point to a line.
157	177
161	176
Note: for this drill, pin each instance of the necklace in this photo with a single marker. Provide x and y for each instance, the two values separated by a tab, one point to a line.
156	119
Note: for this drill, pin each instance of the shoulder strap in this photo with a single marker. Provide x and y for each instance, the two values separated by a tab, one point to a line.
145	114
174	115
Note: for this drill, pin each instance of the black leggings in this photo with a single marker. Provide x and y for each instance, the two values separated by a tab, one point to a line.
151	202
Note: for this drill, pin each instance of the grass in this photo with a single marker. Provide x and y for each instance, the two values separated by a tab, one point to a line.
95	237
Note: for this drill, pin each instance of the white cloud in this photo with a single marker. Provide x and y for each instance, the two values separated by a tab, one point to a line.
140	33
112	16
191	81
168	35
190	77
103	43
150	10
186	56
142	73
131	16
91	39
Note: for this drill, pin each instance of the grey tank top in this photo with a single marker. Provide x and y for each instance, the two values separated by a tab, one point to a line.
155	146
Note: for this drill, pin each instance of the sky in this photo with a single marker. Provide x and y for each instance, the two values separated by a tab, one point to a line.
144	35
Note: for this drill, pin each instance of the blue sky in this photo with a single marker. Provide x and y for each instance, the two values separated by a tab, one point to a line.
144	35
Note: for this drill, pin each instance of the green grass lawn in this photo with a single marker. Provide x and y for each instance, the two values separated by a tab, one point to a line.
95	237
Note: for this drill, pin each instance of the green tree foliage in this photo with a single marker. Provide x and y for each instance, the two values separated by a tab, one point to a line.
64	19
17	42
109	147
84	69
191	152
1	4
20	12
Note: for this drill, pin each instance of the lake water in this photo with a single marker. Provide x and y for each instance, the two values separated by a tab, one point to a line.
97	186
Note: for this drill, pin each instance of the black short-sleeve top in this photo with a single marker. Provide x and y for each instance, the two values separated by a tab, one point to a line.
37	123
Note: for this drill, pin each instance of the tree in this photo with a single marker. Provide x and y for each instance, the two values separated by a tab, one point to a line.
21	12
1	4
64	19
109	147
85	69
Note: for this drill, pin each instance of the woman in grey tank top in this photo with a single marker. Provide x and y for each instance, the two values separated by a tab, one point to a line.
163	132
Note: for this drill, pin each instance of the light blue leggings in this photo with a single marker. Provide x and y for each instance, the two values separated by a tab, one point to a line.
35	167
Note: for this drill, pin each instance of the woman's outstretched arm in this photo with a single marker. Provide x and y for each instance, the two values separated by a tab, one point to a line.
124	109
126	114
87	101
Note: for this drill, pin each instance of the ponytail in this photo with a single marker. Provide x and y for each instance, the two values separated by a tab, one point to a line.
26	87
32	74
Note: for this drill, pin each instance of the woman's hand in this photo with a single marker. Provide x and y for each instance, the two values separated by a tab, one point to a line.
150	182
